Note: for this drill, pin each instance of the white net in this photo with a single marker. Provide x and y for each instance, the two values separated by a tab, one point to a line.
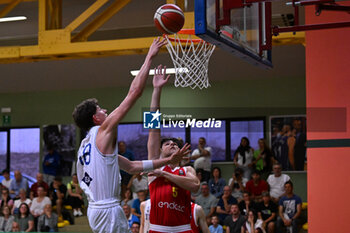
190	60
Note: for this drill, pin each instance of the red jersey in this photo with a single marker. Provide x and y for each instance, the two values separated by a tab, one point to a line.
194	223
170	204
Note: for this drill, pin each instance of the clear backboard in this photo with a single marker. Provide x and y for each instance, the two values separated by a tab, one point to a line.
237	27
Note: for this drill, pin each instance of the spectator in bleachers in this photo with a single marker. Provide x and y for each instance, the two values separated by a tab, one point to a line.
24	219
199	173
129	216
289	209
237	184
39	182
207	201
18	183
215	227
51	164
202	157
217	183
127	198
123	151
256	186
276	182
235	221
22	199
58	194
48	221
263	158
15	227
253	224
75	196
246	204
141	196
243	157
5	198
6	220
267	211
224	205
135	228
137	183
6	182
39	203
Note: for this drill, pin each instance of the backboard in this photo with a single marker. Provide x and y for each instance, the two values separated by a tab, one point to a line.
237	27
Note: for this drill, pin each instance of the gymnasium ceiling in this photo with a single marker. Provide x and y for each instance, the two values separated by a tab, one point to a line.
134	20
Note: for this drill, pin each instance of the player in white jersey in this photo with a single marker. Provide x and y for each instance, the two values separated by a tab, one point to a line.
98	161
145	208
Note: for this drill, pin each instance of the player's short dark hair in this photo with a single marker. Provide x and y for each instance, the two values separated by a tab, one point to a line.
175	140
83	113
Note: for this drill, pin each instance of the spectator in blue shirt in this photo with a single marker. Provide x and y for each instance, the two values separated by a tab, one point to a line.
224	205
137	202
129	216
18	184
130	156
217	183
215	227
289	209
51	165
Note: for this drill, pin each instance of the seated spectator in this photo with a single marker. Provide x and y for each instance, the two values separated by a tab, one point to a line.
276	182
57	194
137	183
18	183
215	227
22	199
246	204
127	198
39	203
123	151
253	224
6	182
48	221
237	184
24	219
267	210
39	182
263	158
289	209
224	205
75	196
202	158
51	164
217	183
129	216
207	201
6	220
15	226
199	173
5	198
135	228
256	186
235	221
137	202
243	157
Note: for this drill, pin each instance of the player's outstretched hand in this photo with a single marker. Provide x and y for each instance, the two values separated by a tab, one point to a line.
176	157
156	45
160	78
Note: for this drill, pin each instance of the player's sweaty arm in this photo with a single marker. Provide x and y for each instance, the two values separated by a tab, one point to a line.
107	134
134	167
159	80
189	182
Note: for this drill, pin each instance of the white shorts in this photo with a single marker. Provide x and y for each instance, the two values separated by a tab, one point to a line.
109	219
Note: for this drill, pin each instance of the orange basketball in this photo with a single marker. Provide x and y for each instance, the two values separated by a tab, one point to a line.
169	19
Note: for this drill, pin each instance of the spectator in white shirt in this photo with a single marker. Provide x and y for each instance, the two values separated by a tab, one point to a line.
137	183
202	157
7	180
276	182
39	203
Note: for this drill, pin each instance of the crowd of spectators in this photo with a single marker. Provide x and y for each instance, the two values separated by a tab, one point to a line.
39	207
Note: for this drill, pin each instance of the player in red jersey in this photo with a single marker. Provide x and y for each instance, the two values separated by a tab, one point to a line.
198	220
171	186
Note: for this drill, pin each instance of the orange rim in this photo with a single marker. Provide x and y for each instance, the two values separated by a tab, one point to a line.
185	32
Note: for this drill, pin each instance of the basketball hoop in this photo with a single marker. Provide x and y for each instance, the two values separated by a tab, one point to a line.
190	58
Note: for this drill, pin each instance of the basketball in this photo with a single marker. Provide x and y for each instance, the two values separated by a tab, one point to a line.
169	19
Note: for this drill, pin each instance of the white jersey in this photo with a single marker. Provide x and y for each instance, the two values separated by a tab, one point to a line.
98	174
147	212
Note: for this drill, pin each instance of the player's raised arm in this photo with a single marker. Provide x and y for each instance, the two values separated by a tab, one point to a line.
107	133
159	80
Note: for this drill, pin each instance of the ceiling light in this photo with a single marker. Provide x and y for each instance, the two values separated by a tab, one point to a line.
168	71
11	19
